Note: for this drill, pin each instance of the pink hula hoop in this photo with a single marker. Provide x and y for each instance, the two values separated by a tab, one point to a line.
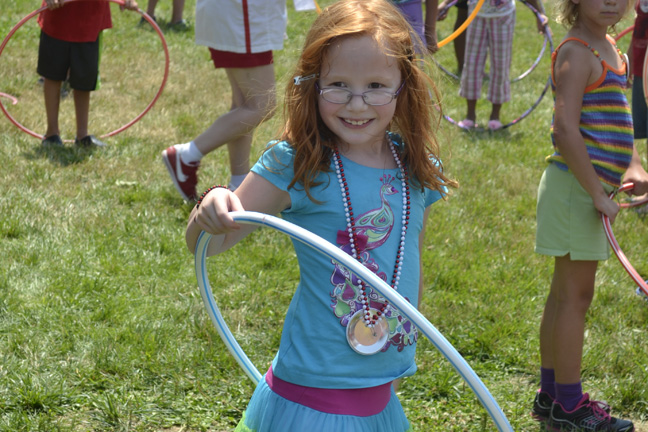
624	32
127	125
14	101
625	262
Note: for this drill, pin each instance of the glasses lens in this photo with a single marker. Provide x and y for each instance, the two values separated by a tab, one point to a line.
377	97
371	97
338	96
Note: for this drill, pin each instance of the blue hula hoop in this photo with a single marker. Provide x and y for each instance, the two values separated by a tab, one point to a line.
336	254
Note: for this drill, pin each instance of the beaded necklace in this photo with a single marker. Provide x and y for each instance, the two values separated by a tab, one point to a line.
370	320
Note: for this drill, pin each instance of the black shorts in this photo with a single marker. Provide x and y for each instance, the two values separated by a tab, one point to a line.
462	4
56	57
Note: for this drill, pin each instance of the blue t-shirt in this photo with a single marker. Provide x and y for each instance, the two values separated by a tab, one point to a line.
314	351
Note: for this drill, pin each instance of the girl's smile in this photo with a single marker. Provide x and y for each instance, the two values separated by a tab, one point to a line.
359	65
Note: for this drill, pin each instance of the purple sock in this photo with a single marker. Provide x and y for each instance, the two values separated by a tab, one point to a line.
548	382
569	395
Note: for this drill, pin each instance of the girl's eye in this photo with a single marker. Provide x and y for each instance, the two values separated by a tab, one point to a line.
336	84
375	86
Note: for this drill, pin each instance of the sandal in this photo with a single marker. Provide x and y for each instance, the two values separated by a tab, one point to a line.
494	125
467	124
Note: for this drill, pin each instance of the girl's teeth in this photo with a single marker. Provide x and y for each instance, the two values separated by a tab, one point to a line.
356	122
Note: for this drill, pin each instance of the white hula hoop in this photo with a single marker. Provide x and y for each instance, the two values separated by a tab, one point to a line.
394	298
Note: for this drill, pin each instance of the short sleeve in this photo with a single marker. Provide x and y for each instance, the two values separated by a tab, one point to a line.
276	164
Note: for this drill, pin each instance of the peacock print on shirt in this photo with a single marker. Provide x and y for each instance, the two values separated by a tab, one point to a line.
372	228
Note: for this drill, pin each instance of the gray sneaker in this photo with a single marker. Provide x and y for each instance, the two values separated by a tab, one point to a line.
588	416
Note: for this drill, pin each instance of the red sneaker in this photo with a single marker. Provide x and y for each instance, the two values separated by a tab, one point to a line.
184	175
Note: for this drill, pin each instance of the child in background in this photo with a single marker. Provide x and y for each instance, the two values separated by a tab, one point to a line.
593	153
459	42
491	30
177	23
69	49
358	164
637	53
240	40
412	10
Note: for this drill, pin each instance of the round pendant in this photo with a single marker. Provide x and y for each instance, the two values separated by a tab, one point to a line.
366	340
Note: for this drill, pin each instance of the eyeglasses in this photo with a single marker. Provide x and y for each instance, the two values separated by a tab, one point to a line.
370	97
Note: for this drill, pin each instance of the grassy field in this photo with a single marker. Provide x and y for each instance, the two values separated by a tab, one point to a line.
102	326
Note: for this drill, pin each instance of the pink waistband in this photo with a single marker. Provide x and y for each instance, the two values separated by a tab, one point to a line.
361	402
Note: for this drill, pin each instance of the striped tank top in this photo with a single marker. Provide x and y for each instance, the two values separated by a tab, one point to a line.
605	122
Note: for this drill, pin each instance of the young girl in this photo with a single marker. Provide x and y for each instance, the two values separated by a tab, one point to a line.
593	151
339	172
491	30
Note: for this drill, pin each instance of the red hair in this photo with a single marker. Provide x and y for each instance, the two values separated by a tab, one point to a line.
414	118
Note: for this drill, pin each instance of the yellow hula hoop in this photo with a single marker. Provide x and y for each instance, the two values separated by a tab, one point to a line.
463	26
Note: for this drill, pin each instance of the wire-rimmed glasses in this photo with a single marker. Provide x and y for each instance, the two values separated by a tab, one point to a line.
370	97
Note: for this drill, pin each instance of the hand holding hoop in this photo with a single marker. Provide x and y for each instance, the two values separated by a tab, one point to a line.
326	248
607	226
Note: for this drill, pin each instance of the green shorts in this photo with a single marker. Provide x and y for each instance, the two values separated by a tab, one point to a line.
567	221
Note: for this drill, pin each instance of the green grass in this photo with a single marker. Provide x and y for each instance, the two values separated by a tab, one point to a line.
101	323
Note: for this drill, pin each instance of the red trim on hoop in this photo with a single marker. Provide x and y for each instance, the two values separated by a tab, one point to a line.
14	101
624	32
625	262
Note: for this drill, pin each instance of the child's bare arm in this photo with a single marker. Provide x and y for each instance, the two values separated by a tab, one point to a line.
255	194
431	7
576	68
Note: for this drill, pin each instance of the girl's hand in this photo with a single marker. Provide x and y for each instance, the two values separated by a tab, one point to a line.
129	4
640	179
542	22
213	214
54	4
636	174
607	206
442	11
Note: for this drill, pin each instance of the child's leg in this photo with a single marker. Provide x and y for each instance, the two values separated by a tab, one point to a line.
563	321
178	8
472	109
460	41
81	109
474	63
150	8
500	32
257	86
52	95
239	148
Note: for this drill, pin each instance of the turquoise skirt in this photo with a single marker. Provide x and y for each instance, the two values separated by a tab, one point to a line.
269	412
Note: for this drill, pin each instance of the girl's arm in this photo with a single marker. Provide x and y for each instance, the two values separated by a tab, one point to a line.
575	68
431	7
636	174
255	194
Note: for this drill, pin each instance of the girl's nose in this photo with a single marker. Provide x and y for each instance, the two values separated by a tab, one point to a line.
357	103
